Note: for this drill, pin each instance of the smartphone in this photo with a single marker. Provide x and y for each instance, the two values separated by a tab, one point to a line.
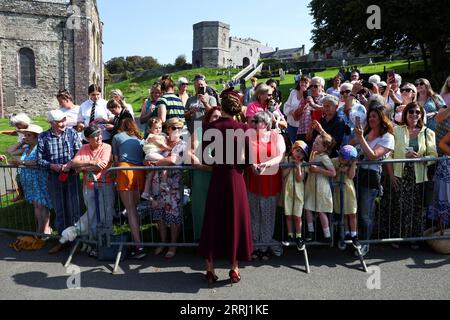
358	122
391	76
409	149
305	94
201	90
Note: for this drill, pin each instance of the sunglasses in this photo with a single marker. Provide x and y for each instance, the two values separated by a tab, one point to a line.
315	86
406	90
176	128
345	92
420	84
417	112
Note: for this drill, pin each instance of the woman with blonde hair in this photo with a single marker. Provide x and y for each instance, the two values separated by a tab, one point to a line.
445	92
169	212
413	140
429	100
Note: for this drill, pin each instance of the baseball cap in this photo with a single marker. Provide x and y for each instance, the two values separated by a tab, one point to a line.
302	145
375	79
56	115
91	131
348	152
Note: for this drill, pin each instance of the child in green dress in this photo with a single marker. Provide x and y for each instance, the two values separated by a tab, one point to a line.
318	195
293	194
345	166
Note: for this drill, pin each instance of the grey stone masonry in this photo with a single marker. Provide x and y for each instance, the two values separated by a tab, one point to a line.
214	48
62	42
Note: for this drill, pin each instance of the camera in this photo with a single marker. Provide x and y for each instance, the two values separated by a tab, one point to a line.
201	90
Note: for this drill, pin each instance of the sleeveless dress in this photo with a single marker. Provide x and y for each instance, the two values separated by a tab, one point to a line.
34	181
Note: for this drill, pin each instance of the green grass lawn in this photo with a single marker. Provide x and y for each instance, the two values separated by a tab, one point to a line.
136	90
400	66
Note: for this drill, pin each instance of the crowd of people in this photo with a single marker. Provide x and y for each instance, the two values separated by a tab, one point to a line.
322	134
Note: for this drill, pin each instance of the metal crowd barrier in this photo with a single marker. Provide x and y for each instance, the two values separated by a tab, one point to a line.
19	219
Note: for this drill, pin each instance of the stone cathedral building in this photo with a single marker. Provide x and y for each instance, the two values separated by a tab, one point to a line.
47	45
215	48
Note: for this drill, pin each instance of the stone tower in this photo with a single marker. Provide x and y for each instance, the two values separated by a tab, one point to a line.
47	45
211	45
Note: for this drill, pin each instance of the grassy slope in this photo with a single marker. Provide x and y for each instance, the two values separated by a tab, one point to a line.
136	90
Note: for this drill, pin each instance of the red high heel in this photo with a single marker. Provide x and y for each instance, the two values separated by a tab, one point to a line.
211	277
235	277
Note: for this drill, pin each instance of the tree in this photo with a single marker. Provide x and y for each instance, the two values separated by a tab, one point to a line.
405	25
149	63
180	61
116	65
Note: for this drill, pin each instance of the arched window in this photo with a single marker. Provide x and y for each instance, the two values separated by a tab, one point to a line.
27	68
251	53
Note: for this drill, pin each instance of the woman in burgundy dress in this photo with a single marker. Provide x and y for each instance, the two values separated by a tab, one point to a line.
226	229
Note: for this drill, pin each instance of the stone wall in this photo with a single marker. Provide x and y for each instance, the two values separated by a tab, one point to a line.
241	49
62	56
214	48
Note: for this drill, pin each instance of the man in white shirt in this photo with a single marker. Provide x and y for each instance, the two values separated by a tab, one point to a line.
94	111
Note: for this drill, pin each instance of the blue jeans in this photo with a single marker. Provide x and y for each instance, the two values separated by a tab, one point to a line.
106	207
366	208
292	133
65	199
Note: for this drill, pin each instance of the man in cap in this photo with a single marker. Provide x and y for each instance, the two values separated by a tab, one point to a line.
55	149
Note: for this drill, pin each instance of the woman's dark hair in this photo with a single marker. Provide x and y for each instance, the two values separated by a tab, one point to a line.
130	127
64	94
167	84
231	103
270	81
410	106
113	103
94	88
303	78
385	123
209	114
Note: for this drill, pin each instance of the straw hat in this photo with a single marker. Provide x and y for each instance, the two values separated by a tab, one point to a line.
33	128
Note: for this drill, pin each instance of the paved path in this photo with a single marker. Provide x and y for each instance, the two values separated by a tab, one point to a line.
405	274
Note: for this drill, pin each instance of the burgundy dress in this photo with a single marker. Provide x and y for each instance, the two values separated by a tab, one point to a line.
226	231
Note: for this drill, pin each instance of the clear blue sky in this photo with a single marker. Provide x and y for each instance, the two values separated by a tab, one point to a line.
163	29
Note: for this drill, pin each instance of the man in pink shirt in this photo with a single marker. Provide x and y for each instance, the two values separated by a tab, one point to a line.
95	158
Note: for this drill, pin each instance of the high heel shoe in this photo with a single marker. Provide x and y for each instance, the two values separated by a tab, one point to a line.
235	277
211	277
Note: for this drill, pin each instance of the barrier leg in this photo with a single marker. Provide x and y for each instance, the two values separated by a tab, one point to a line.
305	254
72	252
118	257
361	259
